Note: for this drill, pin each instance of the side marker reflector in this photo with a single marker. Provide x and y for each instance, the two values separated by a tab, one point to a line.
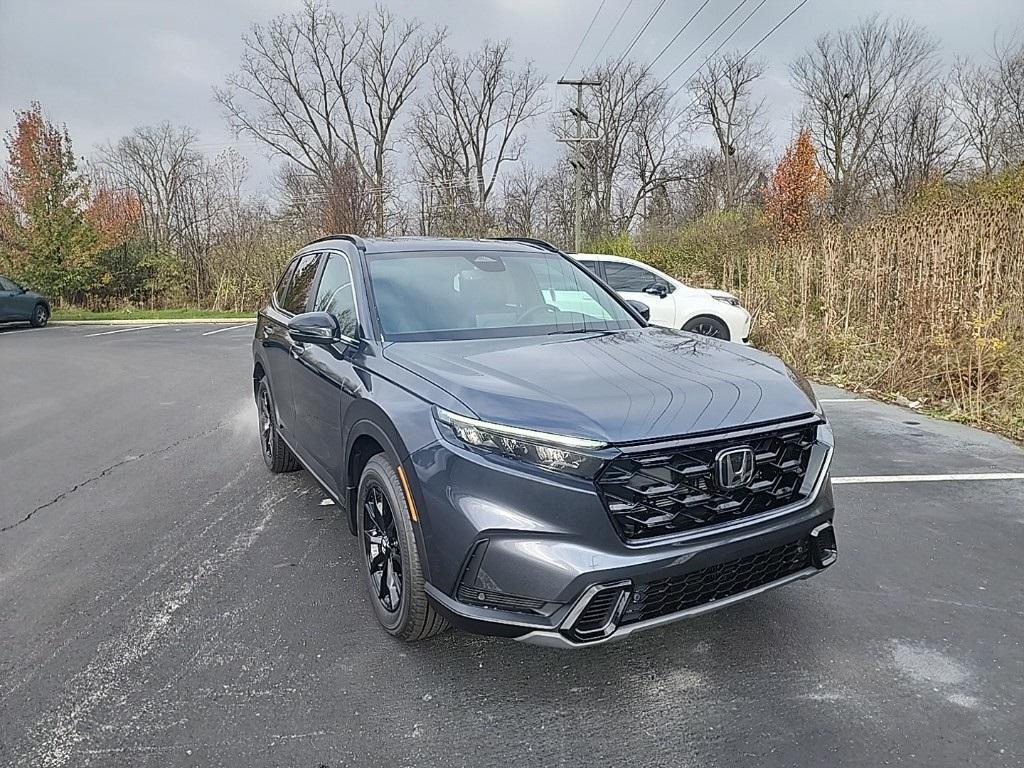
408	495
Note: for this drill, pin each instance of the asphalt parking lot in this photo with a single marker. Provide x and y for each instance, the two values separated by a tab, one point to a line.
166	601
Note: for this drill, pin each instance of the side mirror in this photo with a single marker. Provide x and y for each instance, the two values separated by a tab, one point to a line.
314	328
641	309
657	289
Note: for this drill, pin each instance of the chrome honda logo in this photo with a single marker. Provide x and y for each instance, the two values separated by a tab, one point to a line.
734	468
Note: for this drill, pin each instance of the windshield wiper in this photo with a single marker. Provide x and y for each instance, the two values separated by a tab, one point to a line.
580	330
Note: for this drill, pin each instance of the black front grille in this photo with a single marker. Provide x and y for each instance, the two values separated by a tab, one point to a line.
659	493
678	593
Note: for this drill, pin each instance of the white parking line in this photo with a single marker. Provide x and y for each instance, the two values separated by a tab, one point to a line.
927	478
122	330
232	328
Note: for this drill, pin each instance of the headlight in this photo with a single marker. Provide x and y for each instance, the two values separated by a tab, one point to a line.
732	300
558	453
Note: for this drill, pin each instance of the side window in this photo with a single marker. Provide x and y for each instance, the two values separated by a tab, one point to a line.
282	287
626	277
336	294
301	284
592	266
7	285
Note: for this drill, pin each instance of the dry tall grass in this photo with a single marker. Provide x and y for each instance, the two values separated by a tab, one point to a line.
928	303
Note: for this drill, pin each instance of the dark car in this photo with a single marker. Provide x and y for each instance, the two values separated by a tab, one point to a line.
20	305
520	454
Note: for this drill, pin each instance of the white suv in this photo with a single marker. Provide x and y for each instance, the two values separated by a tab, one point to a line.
673	304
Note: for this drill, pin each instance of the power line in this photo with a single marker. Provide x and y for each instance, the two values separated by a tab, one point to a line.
677	34
612	32
721	45
639	35
585	35
742	58
700	45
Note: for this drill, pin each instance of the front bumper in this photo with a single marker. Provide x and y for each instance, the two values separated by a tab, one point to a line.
522	554
559	630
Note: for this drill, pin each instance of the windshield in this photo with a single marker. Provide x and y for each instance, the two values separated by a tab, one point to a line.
431	296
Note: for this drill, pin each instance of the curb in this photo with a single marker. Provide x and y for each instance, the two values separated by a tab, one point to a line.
161	321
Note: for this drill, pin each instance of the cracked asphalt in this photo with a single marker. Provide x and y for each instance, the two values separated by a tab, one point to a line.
165	601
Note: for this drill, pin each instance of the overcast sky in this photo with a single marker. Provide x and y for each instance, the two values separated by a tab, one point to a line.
106	66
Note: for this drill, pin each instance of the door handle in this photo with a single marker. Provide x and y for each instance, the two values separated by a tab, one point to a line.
296	350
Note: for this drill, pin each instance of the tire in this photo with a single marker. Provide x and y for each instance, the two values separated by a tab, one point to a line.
276	454
411	617
40	316
706	325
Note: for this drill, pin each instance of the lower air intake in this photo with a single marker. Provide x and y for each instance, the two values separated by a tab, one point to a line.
599	615
679	593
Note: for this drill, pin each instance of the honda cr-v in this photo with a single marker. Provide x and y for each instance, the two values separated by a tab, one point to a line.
520	454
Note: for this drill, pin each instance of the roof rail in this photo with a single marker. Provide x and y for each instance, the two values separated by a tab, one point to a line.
529	240
356	240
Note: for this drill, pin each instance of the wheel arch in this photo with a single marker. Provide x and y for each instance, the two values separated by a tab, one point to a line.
258	373
369	433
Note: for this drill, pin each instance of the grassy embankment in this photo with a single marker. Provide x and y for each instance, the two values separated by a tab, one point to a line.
925	305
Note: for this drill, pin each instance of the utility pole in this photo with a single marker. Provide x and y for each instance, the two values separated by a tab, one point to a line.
576	155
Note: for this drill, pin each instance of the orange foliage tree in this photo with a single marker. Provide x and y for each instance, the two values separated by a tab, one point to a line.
52	230
797	187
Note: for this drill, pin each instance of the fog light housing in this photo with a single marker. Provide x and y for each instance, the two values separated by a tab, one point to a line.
823	545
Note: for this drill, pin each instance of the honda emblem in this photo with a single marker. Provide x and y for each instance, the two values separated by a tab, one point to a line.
734	468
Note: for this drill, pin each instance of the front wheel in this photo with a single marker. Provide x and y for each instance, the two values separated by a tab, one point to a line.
40	316
708	326
391	564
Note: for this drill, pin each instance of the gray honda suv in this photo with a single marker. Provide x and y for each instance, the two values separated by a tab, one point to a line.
520	454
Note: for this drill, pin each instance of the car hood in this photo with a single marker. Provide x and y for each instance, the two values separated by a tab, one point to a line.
618	387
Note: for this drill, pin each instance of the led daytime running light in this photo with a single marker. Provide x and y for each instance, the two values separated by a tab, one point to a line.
525	434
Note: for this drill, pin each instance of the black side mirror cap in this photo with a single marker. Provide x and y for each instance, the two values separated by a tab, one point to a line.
640	308
657	289
314	328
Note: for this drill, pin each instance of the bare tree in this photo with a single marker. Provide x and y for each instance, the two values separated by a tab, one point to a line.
851	82
470	124
156	164
522	197
917	143
1009	67
723	101
318	89
556	214
183	196
979	108
639	145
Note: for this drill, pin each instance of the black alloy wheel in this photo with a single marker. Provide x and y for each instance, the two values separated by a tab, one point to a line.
708	326
266	426
391	567
276	454
382	548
